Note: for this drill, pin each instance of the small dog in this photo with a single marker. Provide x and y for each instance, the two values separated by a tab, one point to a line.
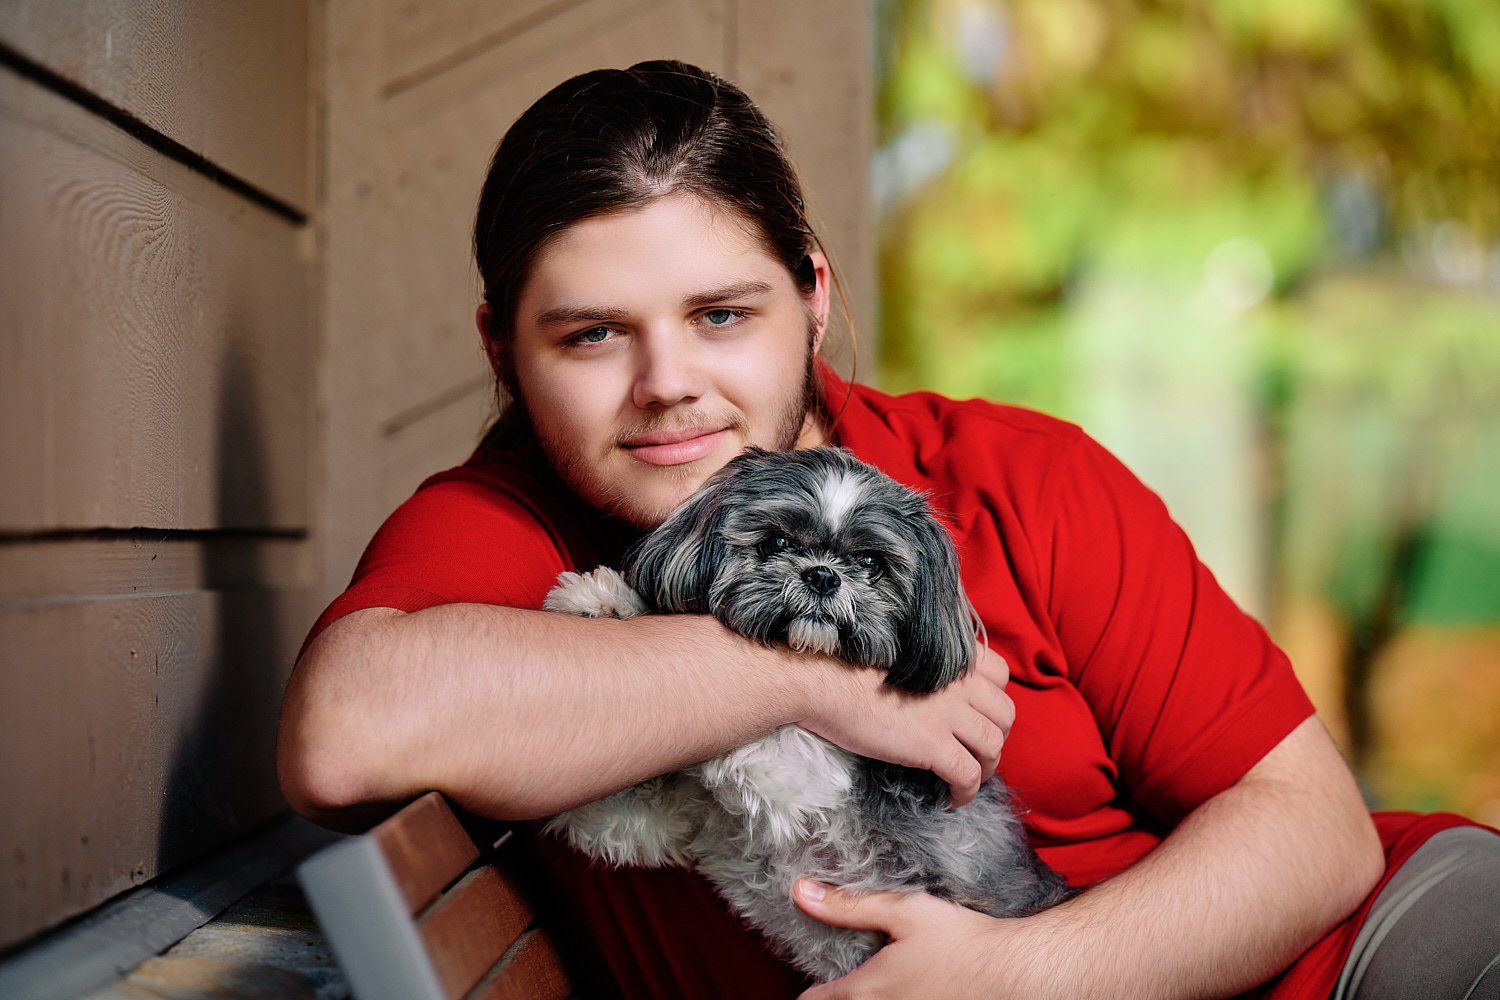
818	551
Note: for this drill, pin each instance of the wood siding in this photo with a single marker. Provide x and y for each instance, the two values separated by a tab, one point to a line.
157	346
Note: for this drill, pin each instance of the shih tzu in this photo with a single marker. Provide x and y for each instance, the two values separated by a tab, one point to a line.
818	551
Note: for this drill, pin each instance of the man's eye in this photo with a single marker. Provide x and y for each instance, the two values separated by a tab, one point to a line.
596	335
721	317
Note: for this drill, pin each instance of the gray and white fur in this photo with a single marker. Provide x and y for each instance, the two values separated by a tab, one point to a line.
818	551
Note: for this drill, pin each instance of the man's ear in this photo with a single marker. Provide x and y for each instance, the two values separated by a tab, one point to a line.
492	347
817	301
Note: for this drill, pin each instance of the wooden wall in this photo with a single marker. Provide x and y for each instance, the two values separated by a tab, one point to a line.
418	96
157	347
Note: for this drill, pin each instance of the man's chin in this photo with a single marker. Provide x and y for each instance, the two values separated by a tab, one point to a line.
646	506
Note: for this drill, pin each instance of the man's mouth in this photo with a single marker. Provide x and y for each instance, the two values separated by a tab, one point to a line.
674	447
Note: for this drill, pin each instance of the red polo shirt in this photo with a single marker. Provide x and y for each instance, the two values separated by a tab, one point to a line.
1140	689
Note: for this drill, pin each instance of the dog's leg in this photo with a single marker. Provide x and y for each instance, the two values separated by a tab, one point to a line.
650	824
780	785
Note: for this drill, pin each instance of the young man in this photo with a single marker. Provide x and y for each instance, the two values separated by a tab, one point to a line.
654	303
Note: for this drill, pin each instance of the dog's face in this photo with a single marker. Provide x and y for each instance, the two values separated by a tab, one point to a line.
817	550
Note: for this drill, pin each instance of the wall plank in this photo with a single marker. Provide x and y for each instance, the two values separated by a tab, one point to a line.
57	571
156	334
227	80
137	733
811	70
420	41
441	437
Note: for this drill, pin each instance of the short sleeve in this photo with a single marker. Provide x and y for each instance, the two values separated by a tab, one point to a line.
462	538
1188	690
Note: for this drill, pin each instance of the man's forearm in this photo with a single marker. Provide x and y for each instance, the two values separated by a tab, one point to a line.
1231	897
1239	890
518	713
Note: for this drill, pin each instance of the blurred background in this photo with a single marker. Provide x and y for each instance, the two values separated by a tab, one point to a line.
1254	247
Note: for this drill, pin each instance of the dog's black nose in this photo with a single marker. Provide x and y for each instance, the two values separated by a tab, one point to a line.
821	579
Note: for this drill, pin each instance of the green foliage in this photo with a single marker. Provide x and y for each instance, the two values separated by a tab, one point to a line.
1031	148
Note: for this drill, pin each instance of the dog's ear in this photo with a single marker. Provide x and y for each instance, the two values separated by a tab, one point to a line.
936	632
673	566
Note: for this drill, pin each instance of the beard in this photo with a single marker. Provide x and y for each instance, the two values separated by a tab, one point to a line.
616	500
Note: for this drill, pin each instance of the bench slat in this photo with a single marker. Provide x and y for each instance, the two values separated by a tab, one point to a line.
532	971
474	924
421	908
427	848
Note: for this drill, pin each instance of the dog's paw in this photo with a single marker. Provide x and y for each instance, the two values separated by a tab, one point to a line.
649	824
599	593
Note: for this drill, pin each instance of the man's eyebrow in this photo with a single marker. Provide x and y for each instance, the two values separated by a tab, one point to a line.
571	315
574	315
728	293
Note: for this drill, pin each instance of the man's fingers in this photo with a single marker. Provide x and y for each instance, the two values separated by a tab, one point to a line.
962	773
985	742
986	690
991	666
887	912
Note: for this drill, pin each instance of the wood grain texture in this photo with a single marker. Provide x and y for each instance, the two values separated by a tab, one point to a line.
471	927
266	945
227	80
443	435
157	336
123	933
532	971
421	41
76	569
809	67
137	733
427	849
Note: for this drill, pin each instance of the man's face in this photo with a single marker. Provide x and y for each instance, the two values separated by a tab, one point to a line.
653	346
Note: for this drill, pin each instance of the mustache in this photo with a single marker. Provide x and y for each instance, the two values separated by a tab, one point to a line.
684	423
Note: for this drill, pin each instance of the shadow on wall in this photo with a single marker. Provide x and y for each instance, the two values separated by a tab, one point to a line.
222	777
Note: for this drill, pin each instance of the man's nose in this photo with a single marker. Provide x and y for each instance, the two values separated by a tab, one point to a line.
669	370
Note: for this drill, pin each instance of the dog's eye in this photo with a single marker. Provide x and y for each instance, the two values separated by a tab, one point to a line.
770	546
870	561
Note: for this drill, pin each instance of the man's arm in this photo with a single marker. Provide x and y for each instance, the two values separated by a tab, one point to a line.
1244	885
521	714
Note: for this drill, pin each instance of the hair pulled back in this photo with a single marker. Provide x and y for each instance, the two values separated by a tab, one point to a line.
612	140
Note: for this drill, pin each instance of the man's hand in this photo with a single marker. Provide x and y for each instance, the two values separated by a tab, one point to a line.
1237	891
957	733
936	948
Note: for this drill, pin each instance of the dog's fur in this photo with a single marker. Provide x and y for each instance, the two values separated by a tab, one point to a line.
816	550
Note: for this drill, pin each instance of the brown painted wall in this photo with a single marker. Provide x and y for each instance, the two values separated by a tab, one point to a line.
156	371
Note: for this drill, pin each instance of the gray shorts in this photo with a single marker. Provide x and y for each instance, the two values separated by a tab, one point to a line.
1434	930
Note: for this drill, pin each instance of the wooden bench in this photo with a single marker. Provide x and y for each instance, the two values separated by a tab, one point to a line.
422	908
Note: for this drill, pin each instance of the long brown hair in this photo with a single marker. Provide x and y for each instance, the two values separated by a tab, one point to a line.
612	140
